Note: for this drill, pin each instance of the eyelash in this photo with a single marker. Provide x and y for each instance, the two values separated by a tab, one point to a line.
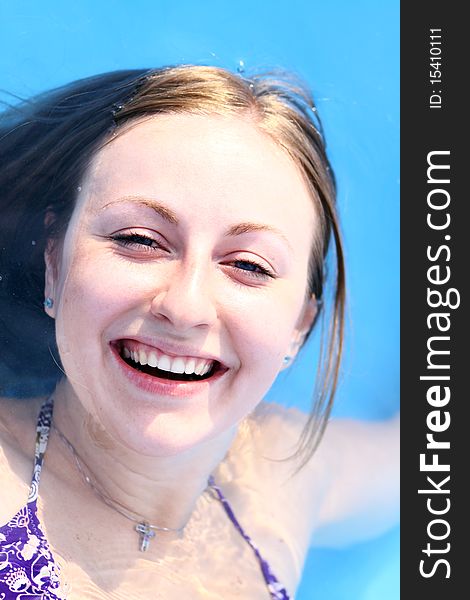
261	273
131	240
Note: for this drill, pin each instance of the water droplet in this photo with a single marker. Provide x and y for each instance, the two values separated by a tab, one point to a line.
33	242
241	66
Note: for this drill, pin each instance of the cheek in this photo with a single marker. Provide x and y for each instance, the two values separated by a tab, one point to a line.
92	295
264	328
261	338
100	283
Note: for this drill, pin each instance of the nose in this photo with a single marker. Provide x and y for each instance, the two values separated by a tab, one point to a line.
185	300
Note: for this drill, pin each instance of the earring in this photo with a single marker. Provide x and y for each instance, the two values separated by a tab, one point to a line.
286	360
48	302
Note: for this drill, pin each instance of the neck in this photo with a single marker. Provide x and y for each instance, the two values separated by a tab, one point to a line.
160	490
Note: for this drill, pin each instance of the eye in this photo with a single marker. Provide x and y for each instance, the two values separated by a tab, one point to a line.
252	269
137	241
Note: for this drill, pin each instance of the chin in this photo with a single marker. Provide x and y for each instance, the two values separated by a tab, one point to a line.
166	434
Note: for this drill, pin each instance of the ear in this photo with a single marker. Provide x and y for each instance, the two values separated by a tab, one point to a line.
50	277
50	260
304	323
307	316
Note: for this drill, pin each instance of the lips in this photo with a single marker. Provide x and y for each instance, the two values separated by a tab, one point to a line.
152	363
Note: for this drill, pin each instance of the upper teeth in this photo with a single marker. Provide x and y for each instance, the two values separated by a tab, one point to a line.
174	364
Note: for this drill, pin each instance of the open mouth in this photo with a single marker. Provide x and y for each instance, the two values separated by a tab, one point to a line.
162	366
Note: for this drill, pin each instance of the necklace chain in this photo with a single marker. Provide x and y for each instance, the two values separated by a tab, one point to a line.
143	527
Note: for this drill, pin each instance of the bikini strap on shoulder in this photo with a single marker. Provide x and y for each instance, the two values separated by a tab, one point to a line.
276	589
43	428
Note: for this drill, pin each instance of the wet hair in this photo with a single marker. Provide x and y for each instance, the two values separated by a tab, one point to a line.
46	146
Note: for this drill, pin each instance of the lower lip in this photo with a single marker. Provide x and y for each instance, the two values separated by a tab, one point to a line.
163	387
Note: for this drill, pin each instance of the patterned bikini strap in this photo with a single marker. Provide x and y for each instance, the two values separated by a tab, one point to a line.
276	589
43	428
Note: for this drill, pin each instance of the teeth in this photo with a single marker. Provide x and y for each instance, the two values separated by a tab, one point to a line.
190	365
152	359
180	364
164	363
177	366
200	367
206	369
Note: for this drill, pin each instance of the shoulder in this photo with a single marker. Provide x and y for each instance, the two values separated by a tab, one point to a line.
18	419
276	505
348	490
297	495
17	440
263	450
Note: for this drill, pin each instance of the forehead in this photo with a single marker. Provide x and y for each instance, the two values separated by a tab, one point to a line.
215	164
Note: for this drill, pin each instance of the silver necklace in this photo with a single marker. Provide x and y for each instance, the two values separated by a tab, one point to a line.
145	529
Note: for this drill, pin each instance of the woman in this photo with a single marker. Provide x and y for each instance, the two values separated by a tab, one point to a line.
180	219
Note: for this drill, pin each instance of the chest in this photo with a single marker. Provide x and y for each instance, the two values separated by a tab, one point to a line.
211	561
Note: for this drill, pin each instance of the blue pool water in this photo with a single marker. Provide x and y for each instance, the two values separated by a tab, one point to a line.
349	53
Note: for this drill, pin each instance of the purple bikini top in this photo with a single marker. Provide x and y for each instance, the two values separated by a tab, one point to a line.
27	567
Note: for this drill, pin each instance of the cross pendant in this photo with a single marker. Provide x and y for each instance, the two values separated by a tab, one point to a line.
146	534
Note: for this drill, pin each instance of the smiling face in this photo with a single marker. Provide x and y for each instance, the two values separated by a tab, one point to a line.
188	250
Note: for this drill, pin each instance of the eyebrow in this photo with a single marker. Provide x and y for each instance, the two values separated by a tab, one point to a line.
168	215
158	207
242	228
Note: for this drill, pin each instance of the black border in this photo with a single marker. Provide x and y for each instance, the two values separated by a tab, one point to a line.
425	129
